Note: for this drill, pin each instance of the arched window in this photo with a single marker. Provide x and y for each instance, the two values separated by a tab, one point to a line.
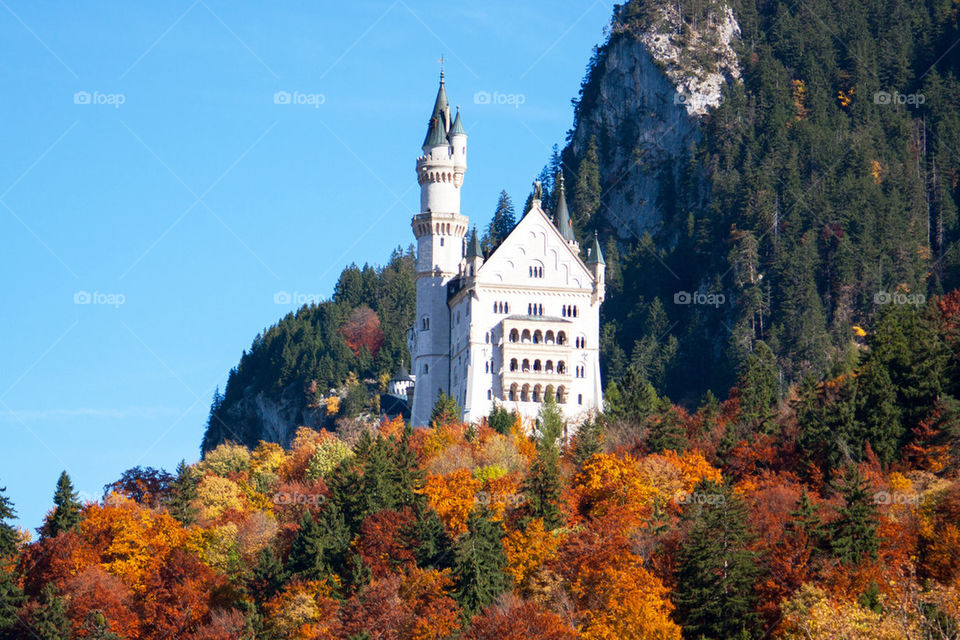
548	367
513	364
525	393
525	336
514	335
562	394
561	367
549	338
561	337
425	323
513	392
525	367
537	365
579	398
537	336
538	394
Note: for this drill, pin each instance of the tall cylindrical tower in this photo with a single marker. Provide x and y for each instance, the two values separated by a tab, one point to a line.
440	230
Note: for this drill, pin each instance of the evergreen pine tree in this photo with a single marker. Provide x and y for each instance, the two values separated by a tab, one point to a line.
587	191
11	599
446	410
542	487
854	534
320	547
501	419
8	534
716	571
268	576
759	388
66	509
479	562
183	492
50	621
429	540
503	222
587	441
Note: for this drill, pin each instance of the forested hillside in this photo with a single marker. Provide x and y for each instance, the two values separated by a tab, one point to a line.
834	515
323	362
826	179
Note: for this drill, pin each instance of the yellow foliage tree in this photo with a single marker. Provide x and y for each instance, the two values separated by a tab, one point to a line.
527	550
453	496
215	496
606	483
812	615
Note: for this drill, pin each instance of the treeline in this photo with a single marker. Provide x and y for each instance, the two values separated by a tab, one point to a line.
825	180
360	334
832	514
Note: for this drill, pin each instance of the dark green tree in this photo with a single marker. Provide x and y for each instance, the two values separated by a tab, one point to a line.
66	509
542	486
320	546
479	562
716	570
8	534
446	410
759	388
501	419
587	191
854	534
503	222
183	491
587	441
268	576
429	540
49	621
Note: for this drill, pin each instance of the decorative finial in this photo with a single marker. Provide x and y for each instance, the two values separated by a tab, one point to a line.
441	60
537	190
561	179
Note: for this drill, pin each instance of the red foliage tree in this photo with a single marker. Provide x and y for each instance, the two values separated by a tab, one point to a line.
514	619
362	329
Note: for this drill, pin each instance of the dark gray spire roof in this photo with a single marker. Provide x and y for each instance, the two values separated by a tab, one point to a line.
457	128
437	129
594	255
563	215
474	250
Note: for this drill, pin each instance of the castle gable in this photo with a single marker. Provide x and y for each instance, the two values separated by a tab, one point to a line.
536	243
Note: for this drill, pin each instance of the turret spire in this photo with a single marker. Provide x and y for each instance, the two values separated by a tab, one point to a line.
594	255
563	215
474	250
439	119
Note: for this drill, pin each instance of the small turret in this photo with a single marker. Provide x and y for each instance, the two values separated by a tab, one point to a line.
564	225
597	268
474	254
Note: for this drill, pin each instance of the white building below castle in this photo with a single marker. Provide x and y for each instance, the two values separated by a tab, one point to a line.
509	329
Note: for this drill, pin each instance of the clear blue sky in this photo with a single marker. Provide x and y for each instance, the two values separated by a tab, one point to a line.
146	162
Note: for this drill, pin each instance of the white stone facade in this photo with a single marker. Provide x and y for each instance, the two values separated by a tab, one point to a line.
507	330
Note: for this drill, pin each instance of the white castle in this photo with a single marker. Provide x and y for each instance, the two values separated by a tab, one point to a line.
513	328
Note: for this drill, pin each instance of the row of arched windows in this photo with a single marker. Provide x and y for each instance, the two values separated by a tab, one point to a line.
538	366
569	311
536	272
539	337
534	309
501	307
536	393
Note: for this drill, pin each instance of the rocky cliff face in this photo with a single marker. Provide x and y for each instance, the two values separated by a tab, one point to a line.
660	73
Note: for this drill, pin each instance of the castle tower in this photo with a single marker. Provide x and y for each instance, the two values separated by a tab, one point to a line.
440	230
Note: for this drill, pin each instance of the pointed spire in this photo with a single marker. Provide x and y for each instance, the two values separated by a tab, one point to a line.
563	215
594	255
474	250
437	129
457	128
